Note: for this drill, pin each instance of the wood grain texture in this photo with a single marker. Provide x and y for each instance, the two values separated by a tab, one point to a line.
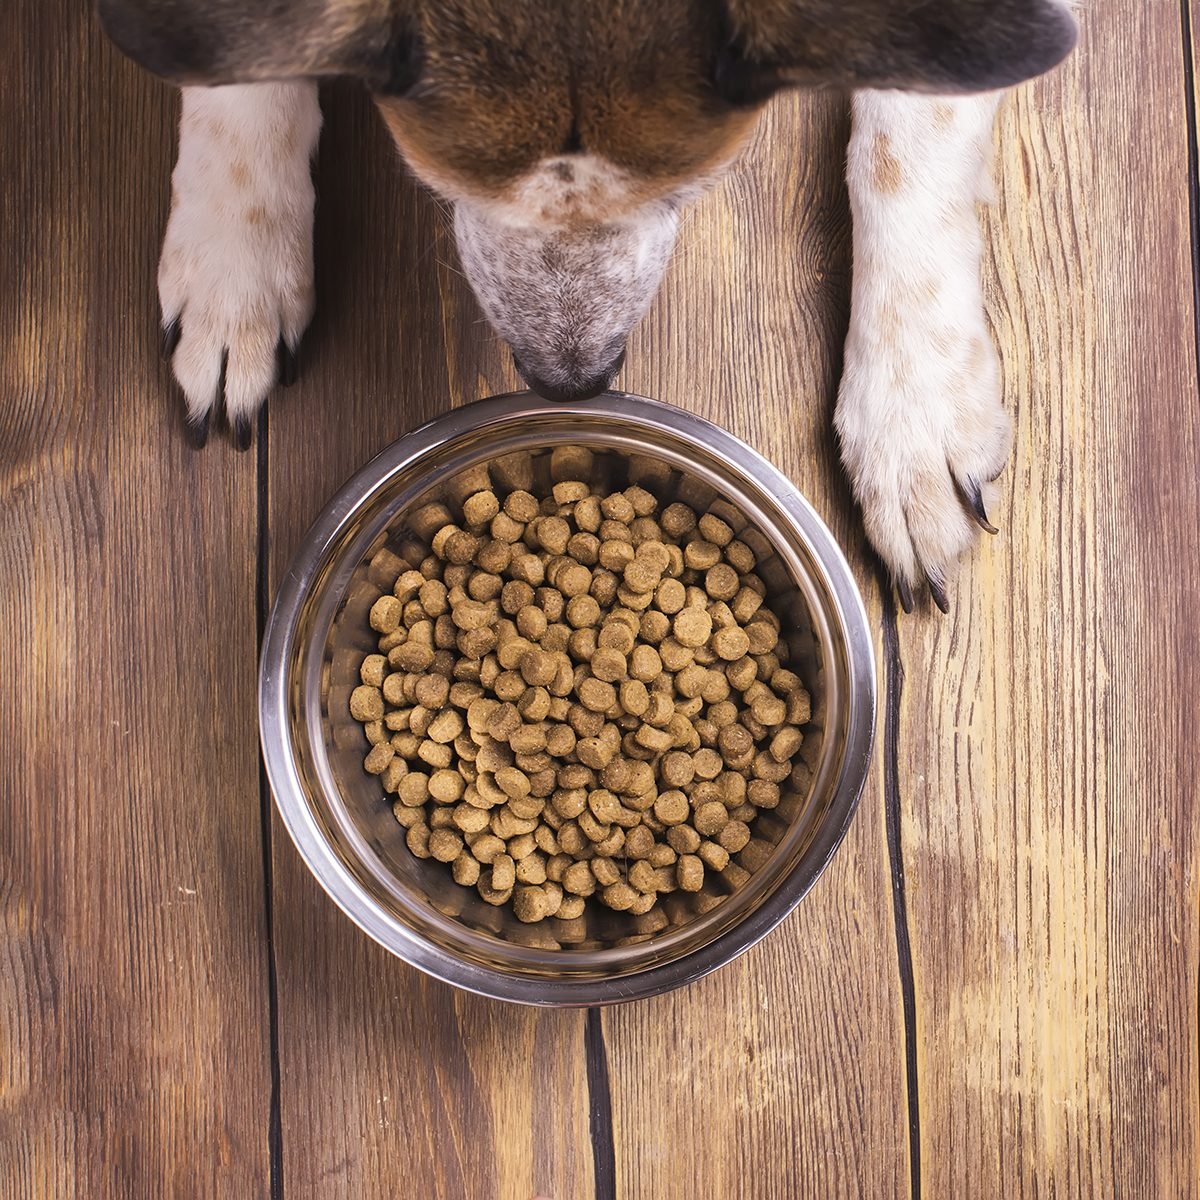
392	1084
1049	767
134	1054
783	1074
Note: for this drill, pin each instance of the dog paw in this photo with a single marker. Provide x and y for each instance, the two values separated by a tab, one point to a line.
235	279
922	435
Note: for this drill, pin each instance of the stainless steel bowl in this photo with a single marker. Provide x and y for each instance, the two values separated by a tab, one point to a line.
338	815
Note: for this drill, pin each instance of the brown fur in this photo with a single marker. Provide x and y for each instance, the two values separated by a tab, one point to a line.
886	172
477	92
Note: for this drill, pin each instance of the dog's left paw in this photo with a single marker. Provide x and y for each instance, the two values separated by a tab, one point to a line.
922	434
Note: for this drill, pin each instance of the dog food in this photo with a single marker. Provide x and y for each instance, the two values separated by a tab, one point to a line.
577	698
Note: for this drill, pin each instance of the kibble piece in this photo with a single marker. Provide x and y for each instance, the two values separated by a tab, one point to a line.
366	704
531	869
710	818
417	840
713	856
689	872
385	614
645	663
504	872
731	643
671	808
486	847
670	596
582	611
762	793
491	894
597	695
373	669
721	582
446	786
579	880
445	845
378	758
662	856
446	726
692	627
683	839
715	530
654	739
633	697
763	636
619	896
785	744
470	819
734	836
677	769
678	521
608	665
529	904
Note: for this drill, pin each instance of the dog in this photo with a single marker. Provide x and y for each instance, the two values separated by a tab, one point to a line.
568	136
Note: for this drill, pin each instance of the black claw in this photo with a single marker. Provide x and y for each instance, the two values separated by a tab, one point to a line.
937	589
242	429
972	497
289	363
197	431
906	596
171	334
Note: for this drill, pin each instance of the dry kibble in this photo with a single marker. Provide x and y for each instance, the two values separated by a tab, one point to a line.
579	880
692	627
677	769
445	845
713	856
710	818
715	530
689	871
504	872
731	643
379	757
619	896
671	808
366	704
608	665
597	695
734	836
785	744
579	699
529	904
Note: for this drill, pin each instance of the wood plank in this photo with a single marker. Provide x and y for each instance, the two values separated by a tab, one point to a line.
781	1075
134	1056
392	1083
1049	767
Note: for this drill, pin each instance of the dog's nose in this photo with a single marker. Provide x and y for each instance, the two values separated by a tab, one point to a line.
574	391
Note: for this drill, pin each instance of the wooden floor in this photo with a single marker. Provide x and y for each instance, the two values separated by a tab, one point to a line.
993	990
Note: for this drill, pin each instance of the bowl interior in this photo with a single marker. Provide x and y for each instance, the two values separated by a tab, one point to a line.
418	910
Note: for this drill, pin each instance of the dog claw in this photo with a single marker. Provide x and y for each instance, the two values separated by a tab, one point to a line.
972	498
905	593
171	334
242	430
289	363
197	431
937	589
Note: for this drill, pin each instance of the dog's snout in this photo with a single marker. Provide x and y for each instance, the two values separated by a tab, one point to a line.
574	388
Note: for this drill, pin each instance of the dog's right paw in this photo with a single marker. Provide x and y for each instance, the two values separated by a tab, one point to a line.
235	280
236	296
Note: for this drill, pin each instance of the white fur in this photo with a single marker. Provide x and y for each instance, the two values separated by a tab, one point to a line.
919	406
236	267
